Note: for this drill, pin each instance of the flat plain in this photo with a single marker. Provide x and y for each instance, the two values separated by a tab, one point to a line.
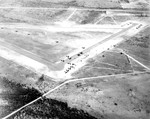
74	59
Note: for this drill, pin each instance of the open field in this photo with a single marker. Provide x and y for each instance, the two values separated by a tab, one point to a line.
20	75
106	63
138	46
49	16
56	45
86	16
33	16
118	97
74	59
61	3
139	4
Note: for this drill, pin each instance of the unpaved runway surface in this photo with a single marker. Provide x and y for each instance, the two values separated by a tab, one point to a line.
70	60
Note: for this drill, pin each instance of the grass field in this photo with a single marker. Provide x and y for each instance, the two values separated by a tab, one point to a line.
33	16
86	16
106	63
62	3
117	97
20	75
138	46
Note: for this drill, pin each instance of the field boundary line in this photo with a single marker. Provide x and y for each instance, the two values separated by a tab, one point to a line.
134	59
69	17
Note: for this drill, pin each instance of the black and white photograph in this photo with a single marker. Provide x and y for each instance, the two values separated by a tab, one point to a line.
74	59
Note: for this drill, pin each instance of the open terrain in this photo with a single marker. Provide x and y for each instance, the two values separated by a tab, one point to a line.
114	97
134	4
74	59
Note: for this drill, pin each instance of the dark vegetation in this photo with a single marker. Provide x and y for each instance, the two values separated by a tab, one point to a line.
125	1
17	95
51	109
141	41
85	17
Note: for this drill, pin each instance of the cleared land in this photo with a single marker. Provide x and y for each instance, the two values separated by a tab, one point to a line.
108	85
116	97
138	46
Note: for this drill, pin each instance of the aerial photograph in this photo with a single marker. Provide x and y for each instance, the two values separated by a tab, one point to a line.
74	59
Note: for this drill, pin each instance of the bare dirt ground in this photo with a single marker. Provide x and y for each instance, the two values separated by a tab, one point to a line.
109	85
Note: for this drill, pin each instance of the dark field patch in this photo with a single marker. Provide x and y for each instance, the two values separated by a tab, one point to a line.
16	95
138	46
51	109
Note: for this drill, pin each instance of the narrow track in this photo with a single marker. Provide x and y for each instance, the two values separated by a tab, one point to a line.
57	87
